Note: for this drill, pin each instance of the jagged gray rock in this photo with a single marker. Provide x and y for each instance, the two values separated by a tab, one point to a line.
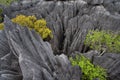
30	58
94	2
70	21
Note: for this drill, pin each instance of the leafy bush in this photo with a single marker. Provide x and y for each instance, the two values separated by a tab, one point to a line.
23	20
32	23
89	70
40	27
103	40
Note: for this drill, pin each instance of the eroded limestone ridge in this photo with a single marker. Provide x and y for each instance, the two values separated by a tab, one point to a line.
25	56
70	20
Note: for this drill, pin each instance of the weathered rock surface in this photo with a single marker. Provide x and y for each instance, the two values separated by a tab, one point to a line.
70	20
25	56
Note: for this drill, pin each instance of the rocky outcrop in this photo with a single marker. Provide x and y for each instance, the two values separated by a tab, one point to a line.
70	20
25	56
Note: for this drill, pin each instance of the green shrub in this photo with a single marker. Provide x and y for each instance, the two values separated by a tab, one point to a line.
103	41
89	70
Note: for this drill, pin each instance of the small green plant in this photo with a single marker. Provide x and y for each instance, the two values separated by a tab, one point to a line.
89	70
107	41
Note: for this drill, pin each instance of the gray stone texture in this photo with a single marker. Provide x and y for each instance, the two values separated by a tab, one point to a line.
25	56
69	22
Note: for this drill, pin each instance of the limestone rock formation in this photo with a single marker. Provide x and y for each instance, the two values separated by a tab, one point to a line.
25	56
70	20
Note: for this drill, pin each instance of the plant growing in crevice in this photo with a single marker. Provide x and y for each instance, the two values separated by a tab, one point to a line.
32	23
89	70
103	41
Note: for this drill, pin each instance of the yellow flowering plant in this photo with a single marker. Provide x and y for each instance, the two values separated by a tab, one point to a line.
25	21
32	23
40	27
